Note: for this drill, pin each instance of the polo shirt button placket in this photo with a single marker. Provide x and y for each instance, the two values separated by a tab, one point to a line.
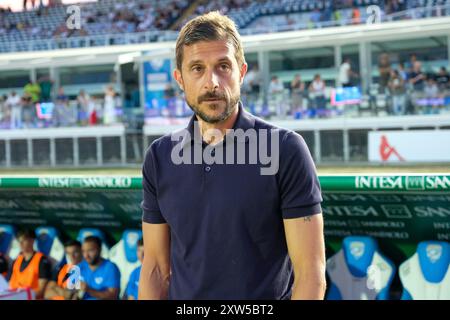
207	168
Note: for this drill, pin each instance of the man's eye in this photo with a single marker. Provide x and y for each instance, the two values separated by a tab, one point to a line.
196	68
224	67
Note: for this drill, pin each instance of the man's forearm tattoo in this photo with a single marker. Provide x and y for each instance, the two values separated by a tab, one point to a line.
307	219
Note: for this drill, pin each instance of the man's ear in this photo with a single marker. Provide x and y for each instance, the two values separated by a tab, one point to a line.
178	78
243	72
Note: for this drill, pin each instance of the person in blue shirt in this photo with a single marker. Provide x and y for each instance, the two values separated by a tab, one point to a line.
99	278
131	292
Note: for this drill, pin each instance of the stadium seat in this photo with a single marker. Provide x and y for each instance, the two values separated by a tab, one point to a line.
124	255
9	246
86	232
425	275
359	271
49	243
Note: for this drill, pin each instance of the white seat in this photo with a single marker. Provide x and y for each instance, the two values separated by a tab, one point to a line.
124	255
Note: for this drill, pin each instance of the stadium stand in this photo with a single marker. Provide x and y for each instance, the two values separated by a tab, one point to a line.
359	271
109	22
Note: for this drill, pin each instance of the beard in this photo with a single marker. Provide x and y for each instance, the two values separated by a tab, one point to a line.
230	103
94	261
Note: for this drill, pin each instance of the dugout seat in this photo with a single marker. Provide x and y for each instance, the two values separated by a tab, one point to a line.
48	242
426	274
124	255
359	271
86	232
9	245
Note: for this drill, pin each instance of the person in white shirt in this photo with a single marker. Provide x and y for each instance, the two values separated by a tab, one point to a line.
14	102
346	73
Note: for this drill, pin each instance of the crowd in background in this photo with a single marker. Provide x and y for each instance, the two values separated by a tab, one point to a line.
120	17
405	88
37	107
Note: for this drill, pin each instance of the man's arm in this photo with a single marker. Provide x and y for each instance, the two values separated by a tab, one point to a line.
155	271
306	246
45	274
42	283
52	290
108	294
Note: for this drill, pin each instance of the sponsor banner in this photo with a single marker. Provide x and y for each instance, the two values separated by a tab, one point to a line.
398	210
409	146
157	77
345	96
403	183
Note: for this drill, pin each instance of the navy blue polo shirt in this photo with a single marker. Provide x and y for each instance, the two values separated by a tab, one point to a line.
226	220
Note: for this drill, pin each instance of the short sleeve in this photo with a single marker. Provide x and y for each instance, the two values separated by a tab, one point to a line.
113	280
299	185
45	269
149	205
131	290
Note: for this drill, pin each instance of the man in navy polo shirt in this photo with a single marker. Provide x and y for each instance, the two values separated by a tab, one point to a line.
231	206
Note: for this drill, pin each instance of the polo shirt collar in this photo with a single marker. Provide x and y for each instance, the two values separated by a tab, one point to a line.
243	121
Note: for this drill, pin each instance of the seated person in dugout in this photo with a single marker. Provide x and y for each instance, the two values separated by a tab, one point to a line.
31	269
131	293
99	278
63	284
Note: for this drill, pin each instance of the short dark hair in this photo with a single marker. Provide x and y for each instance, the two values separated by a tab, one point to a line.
72	243
140	242
211	26
94	239
27	233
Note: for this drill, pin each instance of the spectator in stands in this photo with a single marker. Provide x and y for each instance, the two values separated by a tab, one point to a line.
63	114
109	107
83	102
2	111
276	90
356	15
402	71
93	111
384	69
15	105
131	292
46	85
31	269
252	82
443	79
57	288
28	112
397	90
100	278
346	73
297	90
417	77
431	92
317	90
33	90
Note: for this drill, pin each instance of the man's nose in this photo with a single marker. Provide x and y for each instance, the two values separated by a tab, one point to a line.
211	81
